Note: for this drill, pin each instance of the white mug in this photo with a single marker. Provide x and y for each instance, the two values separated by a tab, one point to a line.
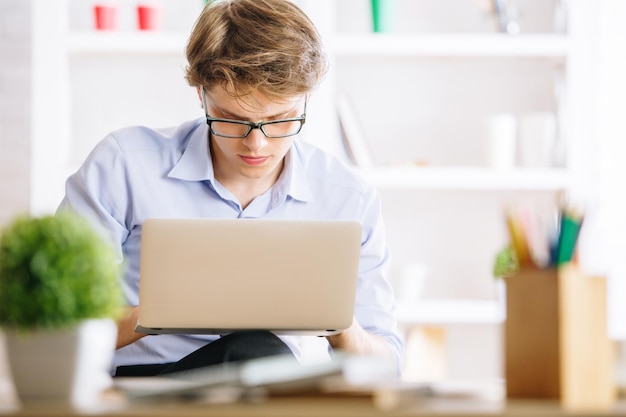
501	139
537	139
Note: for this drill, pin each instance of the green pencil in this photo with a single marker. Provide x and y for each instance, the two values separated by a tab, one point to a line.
570	229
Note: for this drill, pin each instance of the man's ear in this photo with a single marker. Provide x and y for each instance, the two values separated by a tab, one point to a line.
199	90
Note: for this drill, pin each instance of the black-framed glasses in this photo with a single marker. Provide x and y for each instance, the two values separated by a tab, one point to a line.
239	129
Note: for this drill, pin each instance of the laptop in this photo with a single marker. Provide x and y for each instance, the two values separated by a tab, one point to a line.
215	276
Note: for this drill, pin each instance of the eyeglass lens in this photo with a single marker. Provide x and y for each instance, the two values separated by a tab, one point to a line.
234	129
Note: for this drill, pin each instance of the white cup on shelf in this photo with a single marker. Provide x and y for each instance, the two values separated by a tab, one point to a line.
537	139
501	139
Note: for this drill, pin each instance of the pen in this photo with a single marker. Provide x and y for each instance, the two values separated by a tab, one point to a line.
519	240
570	229
554	233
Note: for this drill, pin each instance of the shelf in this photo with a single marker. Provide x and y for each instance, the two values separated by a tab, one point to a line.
127	42
477	45
452	45
451	311
519	179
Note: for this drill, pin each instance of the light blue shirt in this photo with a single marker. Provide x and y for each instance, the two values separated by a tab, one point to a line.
137	173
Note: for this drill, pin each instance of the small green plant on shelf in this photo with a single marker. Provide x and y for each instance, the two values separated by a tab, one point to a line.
506	263
56	271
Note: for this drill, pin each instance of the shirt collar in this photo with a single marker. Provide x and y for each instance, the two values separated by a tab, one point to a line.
293	181
195	164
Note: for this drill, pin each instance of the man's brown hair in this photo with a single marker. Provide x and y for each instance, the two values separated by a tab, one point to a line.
268	46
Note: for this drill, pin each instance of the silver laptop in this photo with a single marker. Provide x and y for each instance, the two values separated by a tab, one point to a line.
214	276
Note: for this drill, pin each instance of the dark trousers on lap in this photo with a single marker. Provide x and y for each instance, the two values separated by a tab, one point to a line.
230	348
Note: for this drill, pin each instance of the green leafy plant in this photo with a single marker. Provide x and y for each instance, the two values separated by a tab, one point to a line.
56	271
506	263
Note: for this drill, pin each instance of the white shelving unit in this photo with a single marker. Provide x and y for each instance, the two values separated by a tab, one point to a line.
452	55
452	312
472	178
161	43
437	86
452	45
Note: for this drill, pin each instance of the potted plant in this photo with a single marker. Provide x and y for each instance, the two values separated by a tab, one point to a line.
59	294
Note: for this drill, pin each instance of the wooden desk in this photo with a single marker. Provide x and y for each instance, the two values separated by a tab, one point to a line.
317	407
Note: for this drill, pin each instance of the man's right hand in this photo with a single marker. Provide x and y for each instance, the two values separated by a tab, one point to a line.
126	333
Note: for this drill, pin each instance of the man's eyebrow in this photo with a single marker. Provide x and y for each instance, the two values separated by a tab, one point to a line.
239	117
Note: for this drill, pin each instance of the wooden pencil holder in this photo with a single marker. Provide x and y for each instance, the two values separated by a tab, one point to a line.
556	342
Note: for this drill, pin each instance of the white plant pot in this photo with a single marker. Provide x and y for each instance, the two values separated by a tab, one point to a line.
65	366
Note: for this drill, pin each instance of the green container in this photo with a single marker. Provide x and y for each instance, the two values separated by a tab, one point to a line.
383	15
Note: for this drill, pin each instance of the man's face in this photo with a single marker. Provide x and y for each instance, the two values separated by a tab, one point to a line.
255	157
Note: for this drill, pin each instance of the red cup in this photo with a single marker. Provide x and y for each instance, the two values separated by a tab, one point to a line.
105	17
149	16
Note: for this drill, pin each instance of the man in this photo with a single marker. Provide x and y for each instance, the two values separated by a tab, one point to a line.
254	64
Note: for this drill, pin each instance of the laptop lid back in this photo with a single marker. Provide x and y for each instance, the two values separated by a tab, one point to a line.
222	275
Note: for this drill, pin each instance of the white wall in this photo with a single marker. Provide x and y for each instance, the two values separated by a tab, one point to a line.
15	107
608	243
15	126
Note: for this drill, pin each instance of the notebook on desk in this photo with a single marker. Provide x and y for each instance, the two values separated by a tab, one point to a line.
214	276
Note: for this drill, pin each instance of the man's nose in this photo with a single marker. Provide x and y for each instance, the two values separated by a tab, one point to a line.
256	140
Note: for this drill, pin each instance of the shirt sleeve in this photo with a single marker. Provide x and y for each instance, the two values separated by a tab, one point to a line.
375	308
98	191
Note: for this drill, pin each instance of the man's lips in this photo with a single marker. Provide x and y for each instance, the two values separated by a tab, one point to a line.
253	160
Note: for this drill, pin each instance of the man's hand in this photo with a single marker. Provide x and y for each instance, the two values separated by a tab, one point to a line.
356	340
126	333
